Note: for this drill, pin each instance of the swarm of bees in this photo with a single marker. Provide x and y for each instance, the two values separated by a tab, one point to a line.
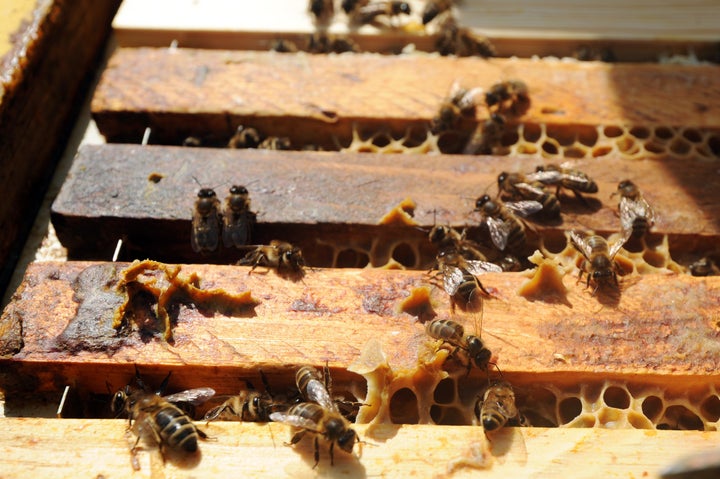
234	215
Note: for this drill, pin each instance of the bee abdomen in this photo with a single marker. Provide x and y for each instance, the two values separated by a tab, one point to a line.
492	420
176	429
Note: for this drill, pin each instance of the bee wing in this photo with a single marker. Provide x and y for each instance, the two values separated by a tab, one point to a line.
615	247
452	279
534	190
524	208
192	396
499	232
580	244
317	392
467	100
477	267
294	420
549	177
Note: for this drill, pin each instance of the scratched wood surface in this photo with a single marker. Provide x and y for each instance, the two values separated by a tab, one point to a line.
313	197
391	451
331	315
314	98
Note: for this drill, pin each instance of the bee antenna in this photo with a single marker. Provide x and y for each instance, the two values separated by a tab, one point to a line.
138	378
107	386
164	384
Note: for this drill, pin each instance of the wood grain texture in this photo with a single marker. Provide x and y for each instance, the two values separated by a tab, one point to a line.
42	74
661	326
310	198
313	98
101	448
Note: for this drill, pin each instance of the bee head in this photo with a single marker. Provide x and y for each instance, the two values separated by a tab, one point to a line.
205	193
483	203
238	190
120	400
401	7
347	439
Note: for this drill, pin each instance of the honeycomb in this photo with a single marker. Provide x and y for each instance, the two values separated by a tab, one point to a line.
432	394
561	142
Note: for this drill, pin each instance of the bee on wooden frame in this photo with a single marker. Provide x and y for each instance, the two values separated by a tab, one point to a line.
275	143
321	42
469	349
598	258
517	187
574	180
497	408
205	235
310	417
245	138
453	39
458	103
636	214
487	136
249	405
449	240
370	12
156	419
506	229
508	96
322	11
706	266
433	8
316	387
282	256
351	5
460	280
238	220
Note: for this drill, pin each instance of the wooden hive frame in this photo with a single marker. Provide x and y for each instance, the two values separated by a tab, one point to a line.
563	341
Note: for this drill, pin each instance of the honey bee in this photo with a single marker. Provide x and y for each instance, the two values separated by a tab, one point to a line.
321	42
636	214
510	95
275	143
506	229
449	240
433	8
453	39
283	46
598	258
284	257
460	279
459	102
245	138
573	180
248	405
322	11
320	421
518	187
486	136
158	420
238	220
205	222
469	349
350	5
315	387
497	408
368	13
707	266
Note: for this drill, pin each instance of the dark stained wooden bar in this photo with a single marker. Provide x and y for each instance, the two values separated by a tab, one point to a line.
316	99
311	197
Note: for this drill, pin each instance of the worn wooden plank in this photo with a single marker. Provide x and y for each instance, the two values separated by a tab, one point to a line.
47	56
314	198
100	448
313	99
636	32
331	315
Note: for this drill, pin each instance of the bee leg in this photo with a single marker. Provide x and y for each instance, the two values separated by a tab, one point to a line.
296	437
317	453
581	198
332	459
